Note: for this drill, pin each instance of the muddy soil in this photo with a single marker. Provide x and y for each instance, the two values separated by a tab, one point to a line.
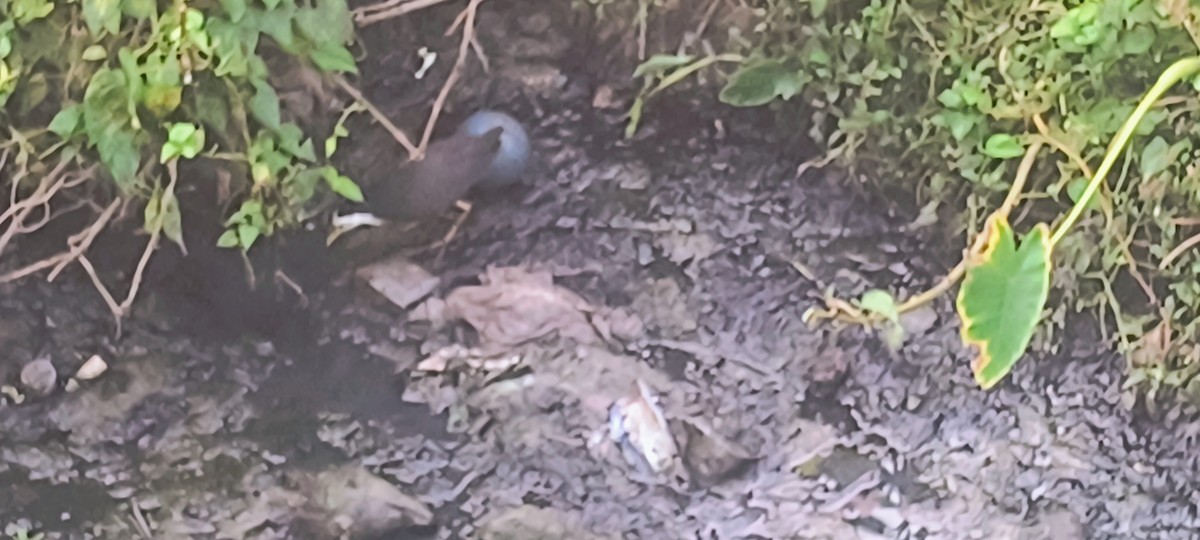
684	260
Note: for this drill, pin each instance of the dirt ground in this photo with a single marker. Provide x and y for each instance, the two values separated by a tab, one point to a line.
672	270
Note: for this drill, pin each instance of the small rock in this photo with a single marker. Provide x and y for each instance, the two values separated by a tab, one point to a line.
400	280
39	376
92	368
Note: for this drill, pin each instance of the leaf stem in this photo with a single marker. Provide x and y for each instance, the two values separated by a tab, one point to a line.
1178	71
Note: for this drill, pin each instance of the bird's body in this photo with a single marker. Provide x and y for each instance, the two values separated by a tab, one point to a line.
489	149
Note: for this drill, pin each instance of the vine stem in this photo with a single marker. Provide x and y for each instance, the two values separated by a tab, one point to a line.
1010	202
1178	71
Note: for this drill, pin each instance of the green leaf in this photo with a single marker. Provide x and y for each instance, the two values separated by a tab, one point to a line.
118	150
277	23
1003	146
169	150
264	106
33	92
95	52
172	220
332	57
102	16
228	239
150	216
236	9
1156	157
140	9
1002	298
66	121
760	83
959	122
329	21
1138	41
183	139
26	11
162	100
660	63
1075	189
817	7
342	185
247	234
181	132
951	98
290	139
879	301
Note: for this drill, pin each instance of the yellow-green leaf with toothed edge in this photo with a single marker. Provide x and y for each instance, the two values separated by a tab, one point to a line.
1002	298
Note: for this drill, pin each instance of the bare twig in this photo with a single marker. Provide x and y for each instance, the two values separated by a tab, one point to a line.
18	210
78	244
467	19
398	134
368	15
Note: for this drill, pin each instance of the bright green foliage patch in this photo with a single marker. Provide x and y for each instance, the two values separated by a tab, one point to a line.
141	84
943	96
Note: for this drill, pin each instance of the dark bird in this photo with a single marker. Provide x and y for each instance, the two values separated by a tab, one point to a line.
490	149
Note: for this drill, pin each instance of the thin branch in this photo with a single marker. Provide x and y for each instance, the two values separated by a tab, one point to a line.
48	185
467	18
397	133
78	244
368	15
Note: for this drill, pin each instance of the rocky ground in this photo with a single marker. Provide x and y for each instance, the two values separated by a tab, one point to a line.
624	279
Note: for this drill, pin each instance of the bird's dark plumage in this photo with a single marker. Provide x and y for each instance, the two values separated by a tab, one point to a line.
429	186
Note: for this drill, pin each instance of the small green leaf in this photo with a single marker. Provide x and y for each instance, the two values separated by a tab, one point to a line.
181	132
290	139
66	121
1138	40
333	57
183	139
1003	146
193	20
1002	297
150	216
879	301
760	83
265	105
228	239
95	52
1075	189
950	98
248	234
959	122
169	150
161	99
1156	157
817	7
172	220
331	143
102	16
342	185
140	9
660	63
236	9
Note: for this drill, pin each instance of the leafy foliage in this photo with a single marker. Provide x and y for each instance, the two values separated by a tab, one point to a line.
951	91
146	79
